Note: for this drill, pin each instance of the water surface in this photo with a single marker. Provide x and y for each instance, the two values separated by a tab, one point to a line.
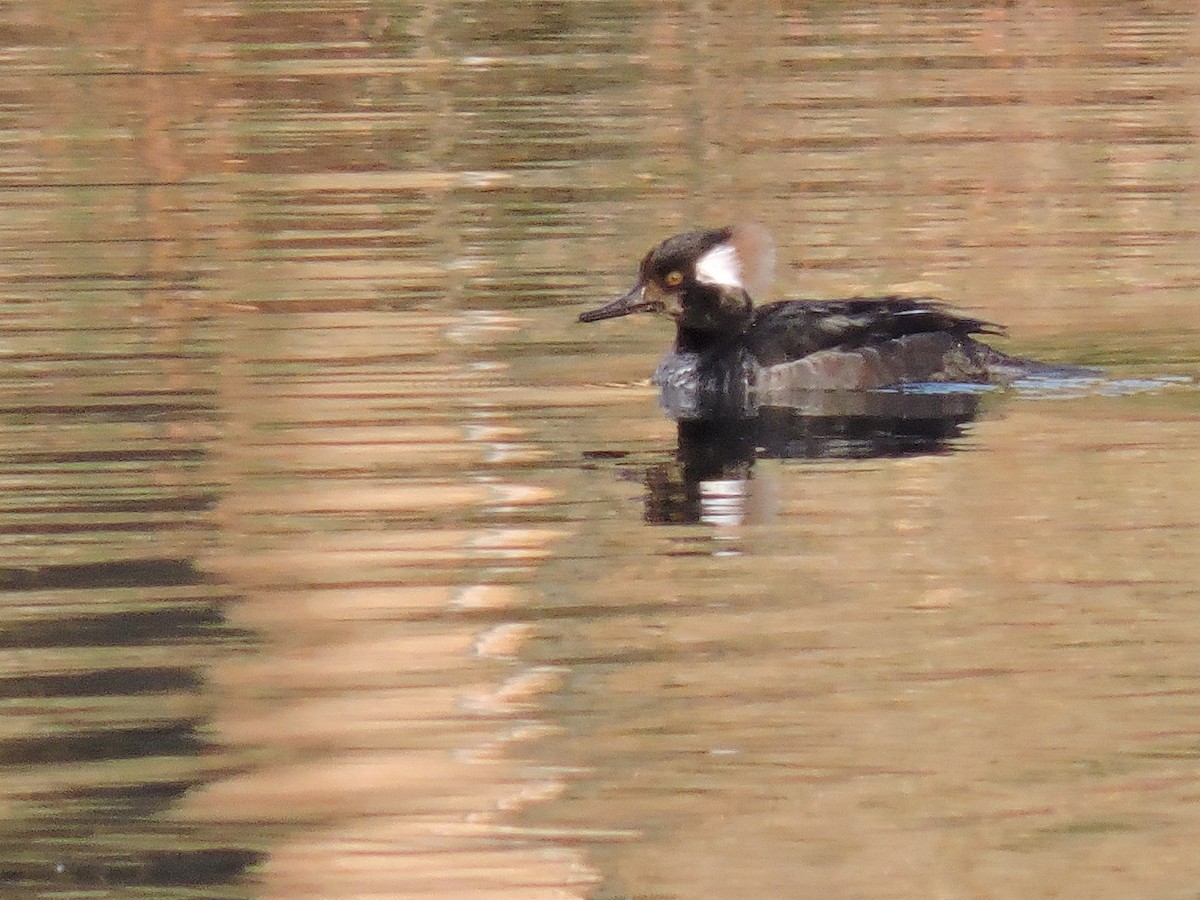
339	561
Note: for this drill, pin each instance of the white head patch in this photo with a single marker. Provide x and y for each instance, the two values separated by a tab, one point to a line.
721	265
745	261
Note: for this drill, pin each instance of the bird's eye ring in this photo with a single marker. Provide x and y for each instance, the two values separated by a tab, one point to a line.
674	278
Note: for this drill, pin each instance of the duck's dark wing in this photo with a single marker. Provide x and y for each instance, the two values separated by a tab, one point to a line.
795	328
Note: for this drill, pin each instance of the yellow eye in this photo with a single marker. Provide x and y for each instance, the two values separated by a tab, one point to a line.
674	279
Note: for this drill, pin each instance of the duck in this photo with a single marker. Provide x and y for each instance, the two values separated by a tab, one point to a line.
732	355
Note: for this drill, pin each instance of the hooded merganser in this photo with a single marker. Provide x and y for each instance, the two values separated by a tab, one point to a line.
731	355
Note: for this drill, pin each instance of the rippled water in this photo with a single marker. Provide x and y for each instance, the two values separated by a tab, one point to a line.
339	561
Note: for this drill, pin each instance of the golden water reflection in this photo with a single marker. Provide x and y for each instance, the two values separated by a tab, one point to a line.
328	568
967	673
389	689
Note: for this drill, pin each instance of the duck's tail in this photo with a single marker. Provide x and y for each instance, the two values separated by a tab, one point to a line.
1005	369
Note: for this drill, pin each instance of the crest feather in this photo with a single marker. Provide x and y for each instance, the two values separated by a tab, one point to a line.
746	261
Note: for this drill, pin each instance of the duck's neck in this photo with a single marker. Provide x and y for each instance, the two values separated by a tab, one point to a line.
724	363
708	343
712	318
689	340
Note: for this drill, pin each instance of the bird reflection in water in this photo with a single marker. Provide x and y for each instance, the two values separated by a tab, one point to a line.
708	481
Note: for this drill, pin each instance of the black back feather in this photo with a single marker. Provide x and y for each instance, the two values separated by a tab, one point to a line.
780	332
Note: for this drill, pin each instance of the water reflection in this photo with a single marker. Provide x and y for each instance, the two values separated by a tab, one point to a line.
709	479
376	547
105	686
884	674
306	592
